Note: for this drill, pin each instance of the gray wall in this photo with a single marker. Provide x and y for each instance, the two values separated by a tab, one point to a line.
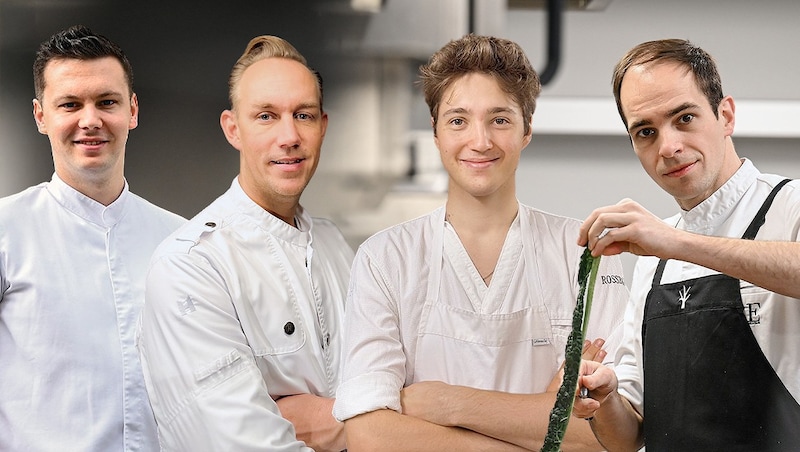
182	53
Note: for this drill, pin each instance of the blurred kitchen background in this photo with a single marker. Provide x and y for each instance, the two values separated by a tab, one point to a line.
379	165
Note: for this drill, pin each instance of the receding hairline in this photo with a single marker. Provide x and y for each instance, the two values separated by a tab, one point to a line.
314	78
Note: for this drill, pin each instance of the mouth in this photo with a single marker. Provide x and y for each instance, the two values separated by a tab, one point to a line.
90	145
680	171
479	163
287	161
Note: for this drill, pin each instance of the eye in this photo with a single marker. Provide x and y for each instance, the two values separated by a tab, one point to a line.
265	116
69	105
304	116
456	122
107	103
501	121
645	133
685	119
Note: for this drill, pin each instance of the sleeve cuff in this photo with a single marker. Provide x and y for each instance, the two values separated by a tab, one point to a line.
366	393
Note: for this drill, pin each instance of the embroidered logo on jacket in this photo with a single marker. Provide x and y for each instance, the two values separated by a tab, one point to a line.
684	295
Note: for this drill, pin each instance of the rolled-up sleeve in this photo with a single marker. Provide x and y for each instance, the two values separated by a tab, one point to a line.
205	389
374	360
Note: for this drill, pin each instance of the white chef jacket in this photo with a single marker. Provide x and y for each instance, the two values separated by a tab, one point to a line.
775	319
419	310
240	310
71	287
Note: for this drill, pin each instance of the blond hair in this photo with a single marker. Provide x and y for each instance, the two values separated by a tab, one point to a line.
261	48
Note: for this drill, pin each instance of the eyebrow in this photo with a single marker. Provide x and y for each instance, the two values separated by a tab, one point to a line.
669	114
75	97
303	106
461	110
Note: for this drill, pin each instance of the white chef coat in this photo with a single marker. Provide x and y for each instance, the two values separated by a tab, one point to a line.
419	310
241	309
71	287
775	319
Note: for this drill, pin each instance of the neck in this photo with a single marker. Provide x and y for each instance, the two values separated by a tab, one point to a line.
288	218
104	191
481	215
282	207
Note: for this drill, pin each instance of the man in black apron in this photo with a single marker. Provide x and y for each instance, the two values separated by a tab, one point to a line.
697	330
699	371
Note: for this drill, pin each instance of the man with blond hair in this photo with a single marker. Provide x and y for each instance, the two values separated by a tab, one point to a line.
240	334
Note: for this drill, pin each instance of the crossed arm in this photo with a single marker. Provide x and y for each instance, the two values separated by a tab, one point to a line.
438	416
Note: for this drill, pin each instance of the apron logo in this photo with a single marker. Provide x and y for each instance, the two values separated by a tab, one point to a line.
684	296
752	313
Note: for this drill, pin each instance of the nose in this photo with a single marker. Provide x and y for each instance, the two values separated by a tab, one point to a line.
90	118
288	136
670	143
480	139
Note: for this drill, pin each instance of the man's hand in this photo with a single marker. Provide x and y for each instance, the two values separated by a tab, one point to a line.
430	401
592	351
313	421
626	226
615	423
600	381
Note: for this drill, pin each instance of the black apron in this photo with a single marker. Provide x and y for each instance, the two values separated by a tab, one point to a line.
708	385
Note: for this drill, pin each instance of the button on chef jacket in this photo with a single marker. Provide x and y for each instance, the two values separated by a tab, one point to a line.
71	288
242	309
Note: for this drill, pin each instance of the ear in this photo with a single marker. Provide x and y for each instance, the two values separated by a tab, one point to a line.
529	135
727	114
324	123
134	112
227	120
38	117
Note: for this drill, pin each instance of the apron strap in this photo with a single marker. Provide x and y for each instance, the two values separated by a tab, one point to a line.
761	216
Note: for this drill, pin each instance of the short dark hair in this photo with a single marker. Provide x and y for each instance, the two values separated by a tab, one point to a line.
680	51
501	59
80	43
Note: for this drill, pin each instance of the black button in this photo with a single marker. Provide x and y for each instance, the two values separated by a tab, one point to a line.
211	224
288	328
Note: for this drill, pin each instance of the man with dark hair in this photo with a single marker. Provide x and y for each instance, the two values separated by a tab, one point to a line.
710	357
73	255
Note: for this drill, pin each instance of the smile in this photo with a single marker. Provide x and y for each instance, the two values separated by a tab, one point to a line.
681	171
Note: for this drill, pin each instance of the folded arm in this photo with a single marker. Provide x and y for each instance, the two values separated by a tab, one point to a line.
520	419
388	430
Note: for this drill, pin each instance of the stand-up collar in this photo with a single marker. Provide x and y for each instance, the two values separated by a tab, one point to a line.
715	210
86	207
299	235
